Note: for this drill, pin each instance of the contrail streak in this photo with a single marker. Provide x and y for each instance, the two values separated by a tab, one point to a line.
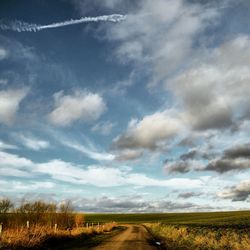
20	26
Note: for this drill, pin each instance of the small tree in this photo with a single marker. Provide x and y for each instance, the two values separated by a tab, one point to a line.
5	206
66	207
66	214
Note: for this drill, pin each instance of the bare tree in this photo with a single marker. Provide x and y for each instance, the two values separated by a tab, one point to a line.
5	205
66	214
66	207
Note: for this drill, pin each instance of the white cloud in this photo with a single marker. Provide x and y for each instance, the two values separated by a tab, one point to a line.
215	93
240	192
14	172
68	172
9	104
108	177
13	165
32	142
208	97
81	144
143	180
78	106
20	26
103	128
91	153
12	160
160	33
100	176
149	133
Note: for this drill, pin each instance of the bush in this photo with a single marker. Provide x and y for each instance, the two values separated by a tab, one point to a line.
39	213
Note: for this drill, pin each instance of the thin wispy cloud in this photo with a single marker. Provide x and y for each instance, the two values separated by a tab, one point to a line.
87	148
31	142
99	156
21	26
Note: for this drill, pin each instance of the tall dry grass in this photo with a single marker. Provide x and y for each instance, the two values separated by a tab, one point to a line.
184	237
35	236
32	223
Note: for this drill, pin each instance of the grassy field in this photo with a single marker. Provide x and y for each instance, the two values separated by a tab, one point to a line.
203	231
185	231
179	237
214	230
239	219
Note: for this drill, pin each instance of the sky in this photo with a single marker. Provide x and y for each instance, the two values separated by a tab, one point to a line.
126	106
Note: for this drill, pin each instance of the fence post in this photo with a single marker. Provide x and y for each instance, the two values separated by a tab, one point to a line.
28	228
55	228
1	232
1	229
87	225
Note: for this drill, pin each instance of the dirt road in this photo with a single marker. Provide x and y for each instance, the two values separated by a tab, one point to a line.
133	237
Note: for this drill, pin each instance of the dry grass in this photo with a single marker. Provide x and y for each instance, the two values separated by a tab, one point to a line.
37	235
184	237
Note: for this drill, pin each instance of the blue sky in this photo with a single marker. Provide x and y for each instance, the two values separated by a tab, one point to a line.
147	112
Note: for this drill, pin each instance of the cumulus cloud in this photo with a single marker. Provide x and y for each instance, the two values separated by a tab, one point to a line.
239	151
142	38
80	105
177	167
215	93
208	96
236	158
10	100
193	159
149	133
182	166
225	165
213	96
240	192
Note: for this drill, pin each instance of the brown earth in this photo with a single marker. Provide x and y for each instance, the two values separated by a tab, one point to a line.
134	237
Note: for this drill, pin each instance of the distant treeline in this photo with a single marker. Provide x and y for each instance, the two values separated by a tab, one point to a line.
39	213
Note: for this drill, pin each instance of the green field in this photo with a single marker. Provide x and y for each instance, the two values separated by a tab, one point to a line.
238	218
